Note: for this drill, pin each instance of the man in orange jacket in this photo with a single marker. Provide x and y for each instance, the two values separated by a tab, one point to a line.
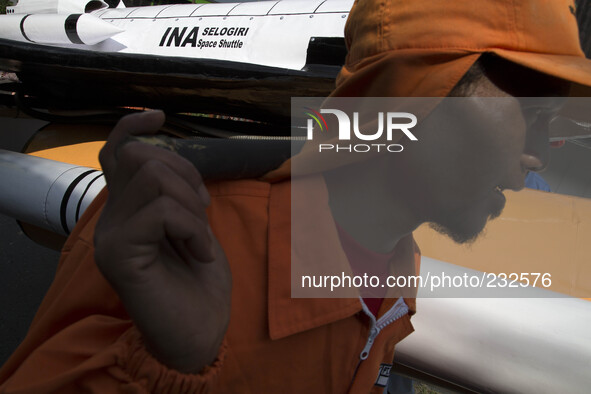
169	285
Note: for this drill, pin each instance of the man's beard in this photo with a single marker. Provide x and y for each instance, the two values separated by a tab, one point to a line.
460	234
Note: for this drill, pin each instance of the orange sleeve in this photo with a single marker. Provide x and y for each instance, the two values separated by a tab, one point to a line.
82	340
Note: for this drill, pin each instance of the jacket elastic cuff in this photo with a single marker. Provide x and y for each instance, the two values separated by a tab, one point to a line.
155	377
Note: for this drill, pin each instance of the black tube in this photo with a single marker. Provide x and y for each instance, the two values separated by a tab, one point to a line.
226	159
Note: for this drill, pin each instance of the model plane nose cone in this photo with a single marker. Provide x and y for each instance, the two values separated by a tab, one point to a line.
93	30
56	28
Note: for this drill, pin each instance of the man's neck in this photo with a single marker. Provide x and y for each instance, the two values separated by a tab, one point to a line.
367	209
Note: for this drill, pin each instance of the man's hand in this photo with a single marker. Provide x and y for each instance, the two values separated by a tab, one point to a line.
155	247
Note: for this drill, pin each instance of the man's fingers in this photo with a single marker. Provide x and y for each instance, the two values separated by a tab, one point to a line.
152	180
133	155
165	220
157	199
141	123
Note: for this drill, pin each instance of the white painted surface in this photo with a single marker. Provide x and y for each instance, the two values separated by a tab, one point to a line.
52	6
33	190
522	345
277	32
50	29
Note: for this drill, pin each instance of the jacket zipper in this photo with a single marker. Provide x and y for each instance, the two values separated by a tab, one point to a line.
398	310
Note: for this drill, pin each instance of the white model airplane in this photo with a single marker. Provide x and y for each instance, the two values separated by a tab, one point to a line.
268	33
246	59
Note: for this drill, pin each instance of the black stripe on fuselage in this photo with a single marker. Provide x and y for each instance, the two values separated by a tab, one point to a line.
23	28
70	26
66	198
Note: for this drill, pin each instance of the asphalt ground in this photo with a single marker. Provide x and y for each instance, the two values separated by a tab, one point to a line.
26	268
